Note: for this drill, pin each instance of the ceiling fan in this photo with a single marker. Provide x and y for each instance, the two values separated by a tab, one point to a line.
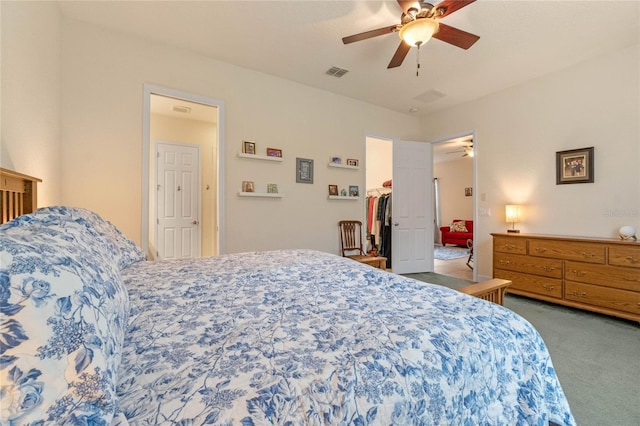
467	150
418	23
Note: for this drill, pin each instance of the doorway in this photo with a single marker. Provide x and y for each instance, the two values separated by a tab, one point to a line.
189	120
454	199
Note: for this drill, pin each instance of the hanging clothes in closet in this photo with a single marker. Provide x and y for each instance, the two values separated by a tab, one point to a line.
383	216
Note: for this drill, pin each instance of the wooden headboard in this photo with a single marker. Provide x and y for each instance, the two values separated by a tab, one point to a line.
18	194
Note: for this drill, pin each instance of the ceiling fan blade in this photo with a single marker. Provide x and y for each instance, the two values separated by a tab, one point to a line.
447	7
399	56
459	38
369	34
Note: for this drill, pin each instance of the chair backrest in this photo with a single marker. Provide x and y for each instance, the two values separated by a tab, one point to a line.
351	237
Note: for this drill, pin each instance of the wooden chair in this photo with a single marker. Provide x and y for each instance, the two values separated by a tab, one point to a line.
351	241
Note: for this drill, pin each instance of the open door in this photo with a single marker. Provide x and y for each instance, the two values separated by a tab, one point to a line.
412	209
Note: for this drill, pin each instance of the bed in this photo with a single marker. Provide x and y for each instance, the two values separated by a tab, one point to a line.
94	333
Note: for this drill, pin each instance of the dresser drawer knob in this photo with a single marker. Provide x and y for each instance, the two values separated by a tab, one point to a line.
548	287
585	254
541	249
632	260
548	268
505	262
581	294
578	273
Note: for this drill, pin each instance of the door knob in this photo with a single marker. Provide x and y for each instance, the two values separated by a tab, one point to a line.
395	224
195	222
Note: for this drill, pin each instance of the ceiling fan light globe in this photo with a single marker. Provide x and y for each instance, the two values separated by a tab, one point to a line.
418	32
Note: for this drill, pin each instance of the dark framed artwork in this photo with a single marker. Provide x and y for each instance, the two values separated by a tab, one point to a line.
574	166
304	170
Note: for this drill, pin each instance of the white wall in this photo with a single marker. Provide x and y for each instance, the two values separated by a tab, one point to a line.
453	177
518	132
102	95
30	88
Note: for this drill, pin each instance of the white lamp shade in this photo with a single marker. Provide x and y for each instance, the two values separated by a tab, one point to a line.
418	31
627	232
512	213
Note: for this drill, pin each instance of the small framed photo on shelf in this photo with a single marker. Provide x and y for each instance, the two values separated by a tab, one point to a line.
333	189
248	147
274	152
574	166
468	192
247	186
352	162
336	160
272	188
354	191
304	170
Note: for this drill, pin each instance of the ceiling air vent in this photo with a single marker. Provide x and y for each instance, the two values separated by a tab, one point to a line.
337	72
182	109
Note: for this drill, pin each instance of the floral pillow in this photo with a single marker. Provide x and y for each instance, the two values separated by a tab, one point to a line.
125	251
458	226
63	310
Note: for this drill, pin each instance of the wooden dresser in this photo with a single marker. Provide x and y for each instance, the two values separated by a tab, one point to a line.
600	275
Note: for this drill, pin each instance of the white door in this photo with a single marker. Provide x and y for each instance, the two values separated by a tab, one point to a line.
412	210
178	200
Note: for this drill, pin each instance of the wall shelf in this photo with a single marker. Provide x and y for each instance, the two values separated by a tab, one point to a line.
260	194
260	157
342	197
343	166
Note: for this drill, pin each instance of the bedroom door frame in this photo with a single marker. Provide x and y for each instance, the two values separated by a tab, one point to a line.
149	90
463	134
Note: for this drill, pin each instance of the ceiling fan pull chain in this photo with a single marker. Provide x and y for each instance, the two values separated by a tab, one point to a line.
418	60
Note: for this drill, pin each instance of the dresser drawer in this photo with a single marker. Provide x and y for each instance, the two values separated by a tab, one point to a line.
549	287
603	275
510	245
583	252
625	256
606	297
551	268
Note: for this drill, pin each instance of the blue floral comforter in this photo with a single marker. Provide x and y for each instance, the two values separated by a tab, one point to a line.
302	337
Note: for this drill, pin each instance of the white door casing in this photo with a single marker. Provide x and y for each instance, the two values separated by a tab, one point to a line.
177	200
412	209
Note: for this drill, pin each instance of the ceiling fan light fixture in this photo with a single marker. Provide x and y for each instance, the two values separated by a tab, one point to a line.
419	31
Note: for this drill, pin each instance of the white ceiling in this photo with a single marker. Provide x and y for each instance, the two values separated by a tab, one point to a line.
301	40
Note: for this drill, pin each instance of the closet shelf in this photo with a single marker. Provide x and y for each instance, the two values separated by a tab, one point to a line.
259	157
260	194
343	166
342	197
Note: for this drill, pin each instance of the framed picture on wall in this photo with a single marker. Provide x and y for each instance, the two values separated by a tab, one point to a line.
352	162
247	186
274	152
468	192
354	191
304	170
333	189
248	147
574	166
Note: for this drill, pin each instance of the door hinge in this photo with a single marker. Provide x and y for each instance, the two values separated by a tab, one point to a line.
158	221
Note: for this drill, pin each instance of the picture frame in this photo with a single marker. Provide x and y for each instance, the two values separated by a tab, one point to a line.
468	192
274	152
304	170
354	191
249	147
336	160
575	166
247	186
352	162
272	188
333	190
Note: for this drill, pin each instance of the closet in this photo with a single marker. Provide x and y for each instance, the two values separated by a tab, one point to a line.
378	204
379	171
